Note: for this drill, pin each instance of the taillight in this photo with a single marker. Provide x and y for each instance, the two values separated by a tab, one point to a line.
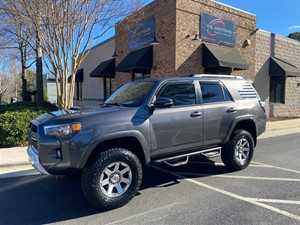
262	105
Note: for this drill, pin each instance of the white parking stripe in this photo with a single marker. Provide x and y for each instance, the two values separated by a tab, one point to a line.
275	201
282	212
239	177
277	167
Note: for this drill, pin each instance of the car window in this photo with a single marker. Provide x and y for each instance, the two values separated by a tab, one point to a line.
131	94
214	92
181	93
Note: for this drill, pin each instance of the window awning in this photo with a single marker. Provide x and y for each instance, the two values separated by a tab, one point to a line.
105	69
278	67
214	56
139	59
78	76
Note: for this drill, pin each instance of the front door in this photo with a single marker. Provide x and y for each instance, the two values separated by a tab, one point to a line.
178	128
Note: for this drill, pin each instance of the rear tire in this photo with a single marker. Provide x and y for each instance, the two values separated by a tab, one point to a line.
238	152
113	179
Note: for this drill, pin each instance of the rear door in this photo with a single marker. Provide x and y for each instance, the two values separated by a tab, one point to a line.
180	127
218	112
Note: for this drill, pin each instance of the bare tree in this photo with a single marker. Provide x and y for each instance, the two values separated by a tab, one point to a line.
65	30
10	83
69	28
16	36
4	80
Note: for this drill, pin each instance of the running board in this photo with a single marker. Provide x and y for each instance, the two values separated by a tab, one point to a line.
180	163
212	152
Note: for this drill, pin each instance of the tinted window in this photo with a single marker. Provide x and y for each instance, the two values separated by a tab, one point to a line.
131	94
213	92
181	94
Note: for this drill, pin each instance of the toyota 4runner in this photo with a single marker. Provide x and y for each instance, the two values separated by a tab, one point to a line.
144	122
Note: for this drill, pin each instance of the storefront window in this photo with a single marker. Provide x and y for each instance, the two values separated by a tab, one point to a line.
140	74
277	89
79	90
110	83
217	70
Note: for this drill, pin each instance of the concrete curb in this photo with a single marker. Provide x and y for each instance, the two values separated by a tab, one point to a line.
13	156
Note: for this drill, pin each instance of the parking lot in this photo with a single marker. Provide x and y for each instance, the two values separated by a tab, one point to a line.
202	192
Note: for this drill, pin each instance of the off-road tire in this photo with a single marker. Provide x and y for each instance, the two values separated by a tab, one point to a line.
94	184
238	152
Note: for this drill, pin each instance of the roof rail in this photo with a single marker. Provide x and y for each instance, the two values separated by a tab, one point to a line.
216	76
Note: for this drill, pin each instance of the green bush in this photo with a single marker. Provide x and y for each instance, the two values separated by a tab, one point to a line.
18	106
14	122
14	126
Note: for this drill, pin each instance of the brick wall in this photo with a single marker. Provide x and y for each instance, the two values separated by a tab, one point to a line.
189	54
269	44
165	27
177	19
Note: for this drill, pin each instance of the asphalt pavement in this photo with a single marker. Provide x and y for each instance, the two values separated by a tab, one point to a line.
14	161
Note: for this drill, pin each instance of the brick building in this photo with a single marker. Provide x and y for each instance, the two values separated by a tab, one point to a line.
182	37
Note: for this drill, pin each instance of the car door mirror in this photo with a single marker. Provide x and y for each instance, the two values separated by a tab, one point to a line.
163	102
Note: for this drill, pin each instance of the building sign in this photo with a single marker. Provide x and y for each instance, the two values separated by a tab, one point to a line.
217	30
142	34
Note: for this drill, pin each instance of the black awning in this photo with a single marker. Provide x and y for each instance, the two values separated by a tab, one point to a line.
78	76
139	59
105	69
214	56
278	67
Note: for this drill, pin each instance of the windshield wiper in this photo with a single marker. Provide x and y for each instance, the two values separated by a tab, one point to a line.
113	103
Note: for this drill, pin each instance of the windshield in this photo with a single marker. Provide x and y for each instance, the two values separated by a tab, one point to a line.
130	94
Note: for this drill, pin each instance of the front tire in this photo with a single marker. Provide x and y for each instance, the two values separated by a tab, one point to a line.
113	179
238	152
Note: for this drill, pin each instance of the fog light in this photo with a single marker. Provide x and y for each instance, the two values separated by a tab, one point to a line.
59	154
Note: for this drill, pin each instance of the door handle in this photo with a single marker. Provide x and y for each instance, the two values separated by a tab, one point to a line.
196	114
232	109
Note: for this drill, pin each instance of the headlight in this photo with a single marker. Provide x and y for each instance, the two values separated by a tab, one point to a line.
62	130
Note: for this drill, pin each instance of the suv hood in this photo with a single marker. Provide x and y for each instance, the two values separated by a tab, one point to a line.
77	113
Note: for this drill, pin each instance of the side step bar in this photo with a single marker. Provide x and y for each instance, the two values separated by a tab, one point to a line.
209	153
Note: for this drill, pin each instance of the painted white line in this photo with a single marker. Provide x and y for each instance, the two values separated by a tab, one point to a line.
292	202
261	166
142	214
277	167
282	212
238	177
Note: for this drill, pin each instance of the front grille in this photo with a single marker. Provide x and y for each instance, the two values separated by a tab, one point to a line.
33	137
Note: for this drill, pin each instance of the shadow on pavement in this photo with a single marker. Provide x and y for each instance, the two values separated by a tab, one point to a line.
42	199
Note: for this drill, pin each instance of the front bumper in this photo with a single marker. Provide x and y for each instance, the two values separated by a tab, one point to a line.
34	158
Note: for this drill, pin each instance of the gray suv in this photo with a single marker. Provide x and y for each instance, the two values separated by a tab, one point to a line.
146	122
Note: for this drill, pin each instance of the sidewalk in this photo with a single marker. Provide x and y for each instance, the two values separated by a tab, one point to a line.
14	161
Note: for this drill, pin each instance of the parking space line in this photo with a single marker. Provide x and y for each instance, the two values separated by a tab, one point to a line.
238	177
227	193
277	167
292	202
143	213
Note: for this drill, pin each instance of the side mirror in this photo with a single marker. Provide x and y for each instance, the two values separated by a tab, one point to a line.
163	102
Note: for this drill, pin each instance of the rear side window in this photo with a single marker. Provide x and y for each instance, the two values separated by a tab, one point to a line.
214	92
181	93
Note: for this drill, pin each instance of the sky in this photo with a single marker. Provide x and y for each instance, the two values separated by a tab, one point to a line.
277	16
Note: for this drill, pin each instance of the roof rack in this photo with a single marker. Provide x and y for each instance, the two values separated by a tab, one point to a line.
216	76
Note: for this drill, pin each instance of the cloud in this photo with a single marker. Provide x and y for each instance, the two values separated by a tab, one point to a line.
294	27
